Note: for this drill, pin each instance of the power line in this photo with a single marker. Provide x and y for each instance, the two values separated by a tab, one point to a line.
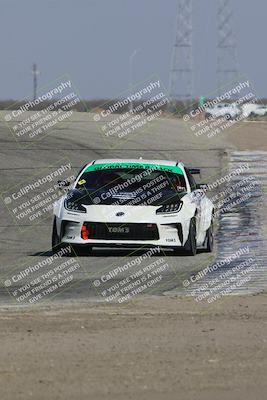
227	70
181	73
35	72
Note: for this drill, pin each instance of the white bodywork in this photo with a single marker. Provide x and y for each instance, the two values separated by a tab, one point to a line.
254	109
195	203
224	109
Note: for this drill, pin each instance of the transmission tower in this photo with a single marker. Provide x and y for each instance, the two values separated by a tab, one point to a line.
226	46
35	72
181	73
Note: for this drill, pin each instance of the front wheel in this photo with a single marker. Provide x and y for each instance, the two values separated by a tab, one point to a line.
190	246
57	245
76	250
209	239
55	238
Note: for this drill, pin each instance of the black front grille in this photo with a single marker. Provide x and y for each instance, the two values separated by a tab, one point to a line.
114	231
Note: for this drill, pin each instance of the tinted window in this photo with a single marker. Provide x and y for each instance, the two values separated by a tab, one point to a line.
137	186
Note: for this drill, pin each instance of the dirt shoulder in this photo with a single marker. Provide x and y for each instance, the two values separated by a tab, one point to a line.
251	135
171	348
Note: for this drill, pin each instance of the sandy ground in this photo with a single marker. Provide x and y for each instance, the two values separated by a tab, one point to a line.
159	348
152	348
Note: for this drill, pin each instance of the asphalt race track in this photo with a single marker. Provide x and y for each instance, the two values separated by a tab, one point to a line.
78	141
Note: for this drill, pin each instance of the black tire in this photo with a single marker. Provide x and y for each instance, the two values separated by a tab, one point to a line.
82	250
55	238
228	117
190	246
56	242
209	239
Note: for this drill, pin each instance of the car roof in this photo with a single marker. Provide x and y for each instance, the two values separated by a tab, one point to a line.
138	161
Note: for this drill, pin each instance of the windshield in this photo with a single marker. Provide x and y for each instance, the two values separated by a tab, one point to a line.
132	186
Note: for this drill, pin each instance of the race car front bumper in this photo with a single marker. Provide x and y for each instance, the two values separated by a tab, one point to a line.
100	233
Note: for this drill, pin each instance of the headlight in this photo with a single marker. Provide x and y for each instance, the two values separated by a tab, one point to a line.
170	208
74	206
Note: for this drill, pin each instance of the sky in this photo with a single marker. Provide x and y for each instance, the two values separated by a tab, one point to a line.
92	40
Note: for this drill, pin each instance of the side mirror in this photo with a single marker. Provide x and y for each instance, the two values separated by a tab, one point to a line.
202	186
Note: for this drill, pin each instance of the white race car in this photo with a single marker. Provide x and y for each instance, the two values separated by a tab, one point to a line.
226	110
254	110
134	203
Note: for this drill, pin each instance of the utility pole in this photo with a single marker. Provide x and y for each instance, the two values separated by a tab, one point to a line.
227	70
181	73
131	58
35	72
